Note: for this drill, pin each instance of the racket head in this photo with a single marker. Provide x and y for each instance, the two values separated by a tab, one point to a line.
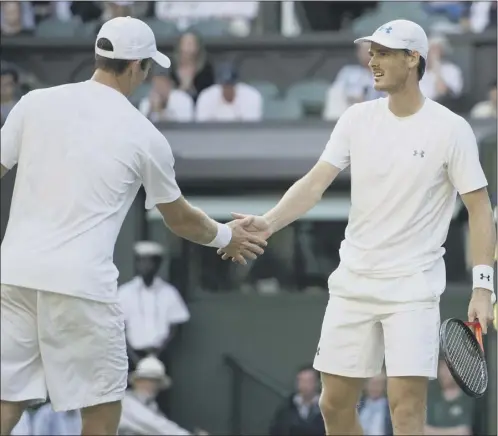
464	356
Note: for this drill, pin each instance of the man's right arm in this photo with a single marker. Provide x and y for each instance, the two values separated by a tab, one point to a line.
302	196
307	192
188	222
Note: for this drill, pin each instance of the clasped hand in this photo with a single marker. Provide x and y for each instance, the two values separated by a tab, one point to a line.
481	308
249	235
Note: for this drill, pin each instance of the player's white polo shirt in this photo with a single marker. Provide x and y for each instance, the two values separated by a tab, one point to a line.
83	151
405	174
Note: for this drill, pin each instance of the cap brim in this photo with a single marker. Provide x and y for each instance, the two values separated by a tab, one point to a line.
162	60
385	42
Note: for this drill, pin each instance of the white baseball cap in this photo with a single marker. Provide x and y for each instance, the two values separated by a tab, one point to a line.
132	39
400	34
148	248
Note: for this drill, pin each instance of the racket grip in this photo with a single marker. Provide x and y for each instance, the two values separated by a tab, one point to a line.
473	323
477	331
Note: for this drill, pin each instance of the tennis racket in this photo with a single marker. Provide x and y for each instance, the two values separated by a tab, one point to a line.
463	352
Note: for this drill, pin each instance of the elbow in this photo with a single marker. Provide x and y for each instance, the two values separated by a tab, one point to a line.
314	191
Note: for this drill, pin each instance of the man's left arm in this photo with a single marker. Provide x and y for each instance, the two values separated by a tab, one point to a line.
481	227
466	174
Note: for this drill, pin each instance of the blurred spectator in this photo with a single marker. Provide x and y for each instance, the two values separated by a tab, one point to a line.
9	92
17	18
141	414
229	100
164	103
443	80
375	418
353	84
117	9
152	308
300	414
449	411
486	109
482	16
238	14
87	11
44	421
191	70
454	11
327	16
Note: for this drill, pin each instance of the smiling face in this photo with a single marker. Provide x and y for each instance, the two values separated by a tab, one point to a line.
392	69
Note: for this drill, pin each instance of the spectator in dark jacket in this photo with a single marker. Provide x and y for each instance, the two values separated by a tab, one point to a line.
191	71
300	414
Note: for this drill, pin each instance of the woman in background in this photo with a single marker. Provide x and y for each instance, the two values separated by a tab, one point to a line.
191	70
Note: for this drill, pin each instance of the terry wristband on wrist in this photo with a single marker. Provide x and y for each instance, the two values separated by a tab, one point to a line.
222	238
483	277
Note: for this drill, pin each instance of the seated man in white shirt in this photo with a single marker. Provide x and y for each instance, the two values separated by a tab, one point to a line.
229	100
152	308
164	103
141	414
354	83
443	79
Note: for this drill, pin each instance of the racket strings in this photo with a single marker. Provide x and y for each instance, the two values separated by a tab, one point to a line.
466	358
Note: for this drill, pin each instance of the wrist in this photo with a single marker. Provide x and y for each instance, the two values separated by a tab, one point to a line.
483	277
223	236
272	224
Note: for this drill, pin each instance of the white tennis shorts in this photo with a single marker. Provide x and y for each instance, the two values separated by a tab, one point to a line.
72	348
359	332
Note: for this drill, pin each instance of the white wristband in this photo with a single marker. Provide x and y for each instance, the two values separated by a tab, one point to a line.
222	238
483	277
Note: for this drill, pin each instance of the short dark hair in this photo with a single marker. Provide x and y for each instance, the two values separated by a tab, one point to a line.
8	71
421	68
422	64
116	66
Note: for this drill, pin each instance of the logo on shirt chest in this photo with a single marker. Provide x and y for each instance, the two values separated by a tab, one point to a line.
419	153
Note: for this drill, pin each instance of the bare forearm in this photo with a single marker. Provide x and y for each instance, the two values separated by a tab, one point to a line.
299	199
196	227
482	237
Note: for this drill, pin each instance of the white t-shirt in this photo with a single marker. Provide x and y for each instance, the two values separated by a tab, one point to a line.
82	151
247	105
180	108
405	173
151	311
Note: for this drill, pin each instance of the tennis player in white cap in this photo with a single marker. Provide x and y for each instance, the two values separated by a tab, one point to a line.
82	152
409	157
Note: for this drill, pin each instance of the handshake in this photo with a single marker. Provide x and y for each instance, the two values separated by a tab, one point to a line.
249	235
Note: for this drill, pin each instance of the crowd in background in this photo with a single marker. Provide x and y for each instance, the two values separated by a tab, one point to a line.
195	90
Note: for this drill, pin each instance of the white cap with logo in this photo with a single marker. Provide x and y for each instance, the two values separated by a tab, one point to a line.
132	39
400	34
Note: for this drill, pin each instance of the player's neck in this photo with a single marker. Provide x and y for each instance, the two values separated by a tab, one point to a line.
406	102
109	80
